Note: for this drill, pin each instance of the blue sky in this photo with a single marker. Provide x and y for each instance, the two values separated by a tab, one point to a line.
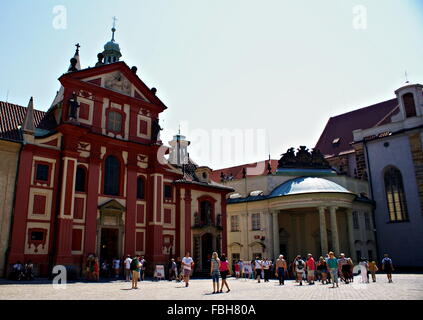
281	66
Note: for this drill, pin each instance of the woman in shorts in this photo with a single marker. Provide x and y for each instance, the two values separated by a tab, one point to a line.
224	272
322	269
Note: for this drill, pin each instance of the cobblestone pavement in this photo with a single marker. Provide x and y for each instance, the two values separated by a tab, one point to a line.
405	287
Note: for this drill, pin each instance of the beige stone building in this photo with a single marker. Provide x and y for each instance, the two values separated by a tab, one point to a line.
301	208
9	153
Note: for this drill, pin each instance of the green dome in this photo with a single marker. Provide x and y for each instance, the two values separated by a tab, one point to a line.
306	185
112	46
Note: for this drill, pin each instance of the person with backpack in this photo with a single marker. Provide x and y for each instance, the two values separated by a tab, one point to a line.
299	269
387	267
135	269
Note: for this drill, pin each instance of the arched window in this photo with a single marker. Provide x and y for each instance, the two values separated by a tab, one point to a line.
205	212
111	176
394	188
409	105
80	179
140	188
114	121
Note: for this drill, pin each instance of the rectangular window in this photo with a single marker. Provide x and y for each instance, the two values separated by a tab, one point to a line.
39	206
139	241
168	192
76	239
78	208
255	221
235	257
42	172
84	111
114	121
234	223
167	215
143	127
367	220
355	220
37	236
140	213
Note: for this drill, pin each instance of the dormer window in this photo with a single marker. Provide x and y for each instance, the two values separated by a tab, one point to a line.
336	142
114	121
409	105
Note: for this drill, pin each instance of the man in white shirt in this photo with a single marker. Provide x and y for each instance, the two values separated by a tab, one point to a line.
127	262
187	265
299	269
258	268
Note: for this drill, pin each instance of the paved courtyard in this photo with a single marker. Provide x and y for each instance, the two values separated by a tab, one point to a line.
405	287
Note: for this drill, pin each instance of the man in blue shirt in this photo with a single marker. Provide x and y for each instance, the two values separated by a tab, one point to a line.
387	267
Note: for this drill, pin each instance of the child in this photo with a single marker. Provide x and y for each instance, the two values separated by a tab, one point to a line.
237	270
373	269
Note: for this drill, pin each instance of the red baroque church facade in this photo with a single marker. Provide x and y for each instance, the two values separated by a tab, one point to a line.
89	179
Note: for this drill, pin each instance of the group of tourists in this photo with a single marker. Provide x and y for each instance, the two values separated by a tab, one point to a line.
21	271
328	269
113	268
92	270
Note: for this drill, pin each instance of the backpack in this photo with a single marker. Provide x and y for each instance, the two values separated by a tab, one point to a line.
387	262
300	264
134	264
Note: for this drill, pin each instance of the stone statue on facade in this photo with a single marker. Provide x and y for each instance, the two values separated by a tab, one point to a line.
73	107
288	159
155	130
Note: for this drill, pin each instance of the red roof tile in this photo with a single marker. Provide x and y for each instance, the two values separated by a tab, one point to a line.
236	171
11	117
342	126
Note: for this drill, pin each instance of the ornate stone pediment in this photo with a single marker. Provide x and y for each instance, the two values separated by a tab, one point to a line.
118	82
111	206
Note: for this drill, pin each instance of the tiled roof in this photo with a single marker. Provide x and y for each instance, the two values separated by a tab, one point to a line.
11	117
337	135
236	171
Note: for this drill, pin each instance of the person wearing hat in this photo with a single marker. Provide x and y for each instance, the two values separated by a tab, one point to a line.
281	269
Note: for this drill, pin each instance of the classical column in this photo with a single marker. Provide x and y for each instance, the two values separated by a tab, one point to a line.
224	223
351	234
269	233
244	234
323	231
334	228
92	201
65	218
131	205
276	249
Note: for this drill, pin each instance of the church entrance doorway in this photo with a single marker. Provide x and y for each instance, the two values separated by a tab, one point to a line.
109	244
206	250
